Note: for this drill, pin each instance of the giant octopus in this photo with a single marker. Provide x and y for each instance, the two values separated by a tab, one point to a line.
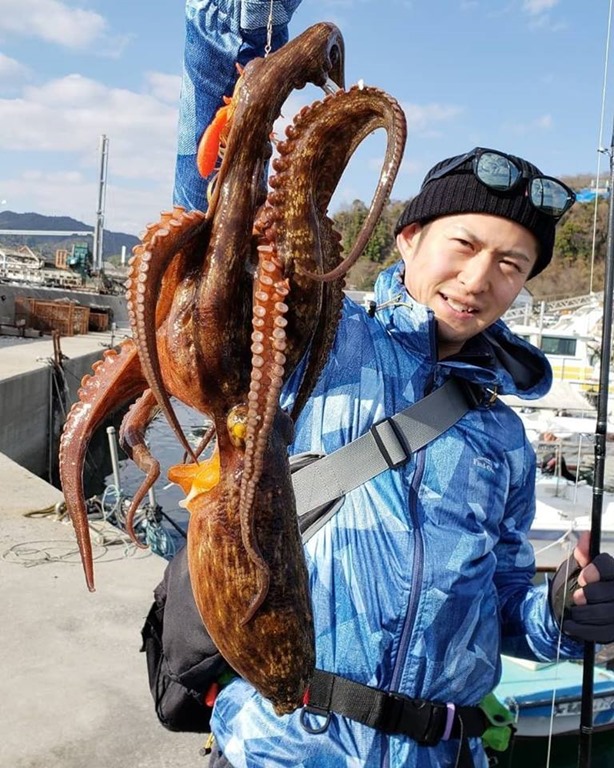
223	306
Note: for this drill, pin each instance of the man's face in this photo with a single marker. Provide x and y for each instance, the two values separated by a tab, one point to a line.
468	268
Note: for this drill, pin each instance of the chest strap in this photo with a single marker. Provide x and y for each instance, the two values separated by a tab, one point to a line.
426	722
387	445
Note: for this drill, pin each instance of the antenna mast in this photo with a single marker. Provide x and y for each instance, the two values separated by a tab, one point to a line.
102	193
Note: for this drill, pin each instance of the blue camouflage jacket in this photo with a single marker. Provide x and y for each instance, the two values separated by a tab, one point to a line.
424	575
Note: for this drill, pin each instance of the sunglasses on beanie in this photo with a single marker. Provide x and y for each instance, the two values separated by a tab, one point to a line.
502	173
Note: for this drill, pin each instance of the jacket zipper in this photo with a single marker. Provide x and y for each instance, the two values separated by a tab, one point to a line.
417	573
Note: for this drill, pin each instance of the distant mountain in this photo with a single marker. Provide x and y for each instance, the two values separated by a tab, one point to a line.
112	242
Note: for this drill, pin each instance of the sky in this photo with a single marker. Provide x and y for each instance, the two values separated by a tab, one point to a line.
523	76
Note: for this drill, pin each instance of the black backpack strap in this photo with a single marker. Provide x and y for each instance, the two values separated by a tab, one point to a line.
388	444
425	722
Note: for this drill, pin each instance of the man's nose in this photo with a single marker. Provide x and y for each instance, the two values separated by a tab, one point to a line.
475	274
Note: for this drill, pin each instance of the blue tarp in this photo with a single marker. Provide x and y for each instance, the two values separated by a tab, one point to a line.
588	195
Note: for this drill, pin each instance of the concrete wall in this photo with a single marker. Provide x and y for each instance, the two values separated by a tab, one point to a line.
8	293
25	413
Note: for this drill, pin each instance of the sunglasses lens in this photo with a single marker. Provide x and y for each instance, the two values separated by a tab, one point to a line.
549	196
497	171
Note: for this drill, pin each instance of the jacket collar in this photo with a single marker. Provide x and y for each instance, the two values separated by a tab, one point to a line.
496	358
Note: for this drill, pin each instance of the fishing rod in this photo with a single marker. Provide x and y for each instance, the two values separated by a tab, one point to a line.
586	711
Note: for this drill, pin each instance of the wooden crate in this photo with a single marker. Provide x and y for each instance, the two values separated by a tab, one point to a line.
99	321
65	317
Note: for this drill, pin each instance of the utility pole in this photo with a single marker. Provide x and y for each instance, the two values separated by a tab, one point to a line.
102	192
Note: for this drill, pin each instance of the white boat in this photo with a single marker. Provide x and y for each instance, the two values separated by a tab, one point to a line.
568	332
564	507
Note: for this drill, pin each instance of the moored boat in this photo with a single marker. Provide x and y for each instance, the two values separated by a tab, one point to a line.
545	698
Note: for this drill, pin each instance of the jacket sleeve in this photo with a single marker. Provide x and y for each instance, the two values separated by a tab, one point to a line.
218	35
529	629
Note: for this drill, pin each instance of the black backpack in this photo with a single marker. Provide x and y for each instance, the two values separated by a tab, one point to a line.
182	660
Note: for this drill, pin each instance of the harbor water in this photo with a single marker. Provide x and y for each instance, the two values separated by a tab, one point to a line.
173	519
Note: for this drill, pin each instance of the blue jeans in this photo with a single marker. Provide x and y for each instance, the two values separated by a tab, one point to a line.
217	759
219	33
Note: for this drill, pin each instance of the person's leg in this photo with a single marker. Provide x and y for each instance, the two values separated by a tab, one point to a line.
217	760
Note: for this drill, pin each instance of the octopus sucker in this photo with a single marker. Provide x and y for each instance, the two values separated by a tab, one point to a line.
223	307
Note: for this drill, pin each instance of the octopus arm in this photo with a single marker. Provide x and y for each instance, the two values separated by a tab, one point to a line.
315	56
156	270
132	440
327	323
326	135
117	379
311	161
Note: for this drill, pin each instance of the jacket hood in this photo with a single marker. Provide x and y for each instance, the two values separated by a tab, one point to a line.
495	358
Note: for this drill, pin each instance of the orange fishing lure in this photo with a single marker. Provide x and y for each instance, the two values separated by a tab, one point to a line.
213	141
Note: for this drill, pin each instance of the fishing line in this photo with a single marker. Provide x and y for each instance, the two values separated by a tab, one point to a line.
557	660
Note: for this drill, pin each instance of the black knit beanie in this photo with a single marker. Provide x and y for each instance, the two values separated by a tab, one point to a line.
461	192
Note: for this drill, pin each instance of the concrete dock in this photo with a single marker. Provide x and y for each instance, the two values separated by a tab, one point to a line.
73	684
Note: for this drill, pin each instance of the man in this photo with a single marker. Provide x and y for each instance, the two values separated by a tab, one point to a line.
424	575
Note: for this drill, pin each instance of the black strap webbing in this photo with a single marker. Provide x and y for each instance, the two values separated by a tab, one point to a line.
424	721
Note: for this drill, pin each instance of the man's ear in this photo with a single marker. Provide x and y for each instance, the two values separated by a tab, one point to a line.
408	239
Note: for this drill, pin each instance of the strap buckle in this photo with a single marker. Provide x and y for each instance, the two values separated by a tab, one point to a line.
424	721
314	730
391	442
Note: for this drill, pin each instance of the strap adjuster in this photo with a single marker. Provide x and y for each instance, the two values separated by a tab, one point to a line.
425	721
391	442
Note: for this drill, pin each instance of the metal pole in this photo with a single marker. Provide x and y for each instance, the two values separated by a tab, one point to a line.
586	712
102	189
114	456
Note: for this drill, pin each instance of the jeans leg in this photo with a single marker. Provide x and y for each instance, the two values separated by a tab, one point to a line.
218	35
217	760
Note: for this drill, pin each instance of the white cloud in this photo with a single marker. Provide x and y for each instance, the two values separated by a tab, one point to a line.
543	123
51	20
62	121
164	87
70	113
11	70
537	7
56	22
422	119
75	194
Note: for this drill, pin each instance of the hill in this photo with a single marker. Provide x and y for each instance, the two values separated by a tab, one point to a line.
112	242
